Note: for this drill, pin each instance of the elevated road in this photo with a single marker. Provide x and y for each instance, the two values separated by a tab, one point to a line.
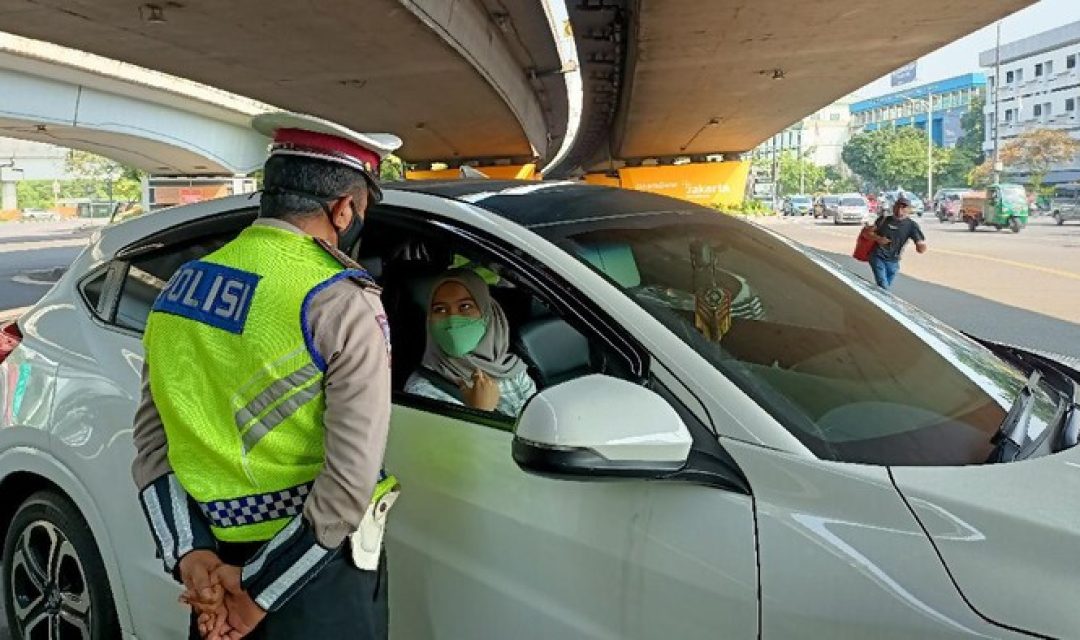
454	78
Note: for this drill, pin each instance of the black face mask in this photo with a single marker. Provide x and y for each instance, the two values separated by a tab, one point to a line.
349	239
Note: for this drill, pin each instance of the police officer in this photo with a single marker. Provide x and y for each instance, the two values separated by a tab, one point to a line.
266	403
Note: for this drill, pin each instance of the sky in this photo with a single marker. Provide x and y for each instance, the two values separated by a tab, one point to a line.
962	56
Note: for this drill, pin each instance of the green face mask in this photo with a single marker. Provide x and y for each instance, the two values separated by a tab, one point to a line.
458	335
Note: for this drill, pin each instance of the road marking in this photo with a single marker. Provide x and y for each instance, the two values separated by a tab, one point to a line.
46	244
25	279
1072	275
11	314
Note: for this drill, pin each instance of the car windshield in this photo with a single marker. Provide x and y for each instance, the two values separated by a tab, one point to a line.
853	202
854	374
830	199
1014	194
800	199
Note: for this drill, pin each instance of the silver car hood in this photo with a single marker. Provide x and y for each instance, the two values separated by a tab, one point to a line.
1009	534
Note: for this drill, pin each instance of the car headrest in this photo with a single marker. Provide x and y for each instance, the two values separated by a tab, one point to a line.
615	260
554	350
373	265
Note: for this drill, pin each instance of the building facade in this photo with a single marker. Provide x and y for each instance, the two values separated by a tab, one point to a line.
819	137
1040	88
950	100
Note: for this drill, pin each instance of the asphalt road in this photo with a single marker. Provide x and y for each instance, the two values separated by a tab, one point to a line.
1023	288
32	256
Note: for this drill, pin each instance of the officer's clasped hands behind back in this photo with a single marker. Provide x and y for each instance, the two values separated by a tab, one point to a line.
266	404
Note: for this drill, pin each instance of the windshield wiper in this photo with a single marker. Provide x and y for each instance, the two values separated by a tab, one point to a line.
1009	440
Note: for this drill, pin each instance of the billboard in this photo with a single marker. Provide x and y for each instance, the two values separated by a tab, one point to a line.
904	74
710	183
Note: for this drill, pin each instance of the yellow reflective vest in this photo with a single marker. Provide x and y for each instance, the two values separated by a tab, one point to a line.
237	379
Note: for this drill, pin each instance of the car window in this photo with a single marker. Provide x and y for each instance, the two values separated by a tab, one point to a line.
853	202
92	289
147	275
552	346
851	377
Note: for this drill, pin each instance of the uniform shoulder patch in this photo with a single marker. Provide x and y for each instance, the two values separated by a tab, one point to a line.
384	324
209	293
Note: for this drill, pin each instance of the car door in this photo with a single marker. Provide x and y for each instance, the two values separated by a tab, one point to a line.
97	390
478	548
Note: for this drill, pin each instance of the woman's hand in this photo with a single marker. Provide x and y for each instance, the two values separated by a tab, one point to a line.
484	393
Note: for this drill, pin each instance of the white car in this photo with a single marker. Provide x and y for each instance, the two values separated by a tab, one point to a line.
853	208
833	464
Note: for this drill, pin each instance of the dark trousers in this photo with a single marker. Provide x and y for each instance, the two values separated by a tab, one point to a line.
340	603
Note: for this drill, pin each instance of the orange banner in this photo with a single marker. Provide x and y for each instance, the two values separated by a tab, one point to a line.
495	172
602	179
706	183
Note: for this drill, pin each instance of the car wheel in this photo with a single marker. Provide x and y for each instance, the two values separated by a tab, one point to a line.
972	224
55	585
1014	225
1058	219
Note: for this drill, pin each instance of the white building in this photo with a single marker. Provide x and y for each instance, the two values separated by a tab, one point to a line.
820	137
1040	88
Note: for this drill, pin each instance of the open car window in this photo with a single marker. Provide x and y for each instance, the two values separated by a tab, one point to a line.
852	377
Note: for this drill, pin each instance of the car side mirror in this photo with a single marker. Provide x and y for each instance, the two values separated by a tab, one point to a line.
598	426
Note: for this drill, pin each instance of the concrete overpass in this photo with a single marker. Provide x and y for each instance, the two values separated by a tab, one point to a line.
455	78
142	119
668	78
480	79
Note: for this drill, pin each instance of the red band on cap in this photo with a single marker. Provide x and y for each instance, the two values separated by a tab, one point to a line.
330	144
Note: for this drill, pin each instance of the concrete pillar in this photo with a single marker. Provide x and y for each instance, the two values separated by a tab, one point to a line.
8	195
145	189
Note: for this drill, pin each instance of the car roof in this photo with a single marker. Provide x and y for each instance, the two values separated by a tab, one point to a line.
528	203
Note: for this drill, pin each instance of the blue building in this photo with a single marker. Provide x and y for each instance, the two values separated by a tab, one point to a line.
950	99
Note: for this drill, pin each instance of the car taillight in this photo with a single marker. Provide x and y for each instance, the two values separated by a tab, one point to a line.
10	337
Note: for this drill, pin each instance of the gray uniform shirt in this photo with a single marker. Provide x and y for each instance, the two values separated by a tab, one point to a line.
348	325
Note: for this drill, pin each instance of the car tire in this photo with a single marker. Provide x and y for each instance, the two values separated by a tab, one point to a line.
1058	218
55	584
973	224
1014	225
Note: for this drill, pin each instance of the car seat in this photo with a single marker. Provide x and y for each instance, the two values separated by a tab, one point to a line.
554	351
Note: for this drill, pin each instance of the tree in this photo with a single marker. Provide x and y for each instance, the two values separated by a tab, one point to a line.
392	168
905	163
799	175
100	177
973	136
1037	150
863	154
894	157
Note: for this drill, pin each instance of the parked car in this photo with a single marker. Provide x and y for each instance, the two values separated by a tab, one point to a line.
832	463
825	206
948	210
852	209
40	214
797	205
1065	203
945	201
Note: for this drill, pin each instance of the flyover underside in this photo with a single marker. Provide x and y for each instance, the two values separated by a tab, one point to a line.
150	136
722	76
454	78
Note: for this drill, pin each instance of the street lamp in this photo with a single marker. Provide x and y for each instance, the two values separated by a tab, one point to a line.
929	104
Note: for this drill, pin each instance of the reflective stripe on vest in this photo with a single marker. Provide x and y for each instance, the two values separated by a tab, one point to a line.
236	378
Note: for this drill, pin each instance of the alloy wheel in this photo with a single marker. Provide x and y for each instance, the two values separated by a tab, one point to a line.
50	592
